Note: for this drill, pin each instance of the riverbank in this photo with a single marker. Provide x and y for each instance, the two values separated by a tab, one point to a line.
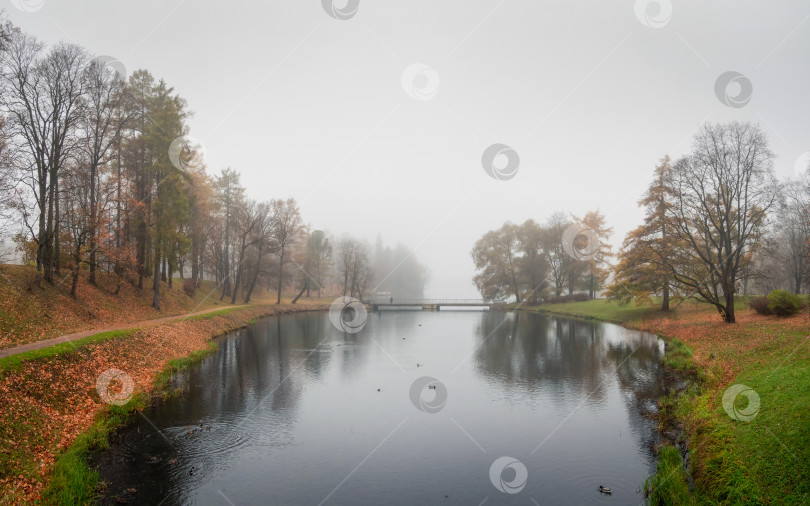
763	460
58	404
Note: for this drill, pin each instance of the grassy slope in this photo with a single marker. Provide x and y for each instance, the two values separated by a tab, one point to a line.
30	314
766	460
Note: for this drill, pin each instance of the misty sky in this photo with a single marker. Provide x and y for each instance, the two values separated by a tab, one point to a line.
588	95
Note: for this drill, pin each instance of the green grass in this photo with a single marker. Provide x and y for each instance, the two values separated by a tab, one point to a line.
669	485
599	309
74	480
13	362
762	461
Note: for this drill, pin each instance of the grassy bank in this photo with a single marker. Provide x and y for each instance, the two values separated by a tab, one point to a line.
765	459
52	413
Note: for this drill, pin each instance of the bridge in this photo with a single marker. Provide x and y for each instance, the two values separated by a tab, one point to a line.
429	304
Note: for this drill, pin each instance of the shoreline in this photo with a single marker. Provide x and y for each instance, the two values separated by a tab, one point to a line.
714	457
58	423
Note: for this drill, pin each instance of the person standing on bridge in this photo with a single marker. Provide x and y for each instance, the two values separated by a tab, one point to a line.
391	301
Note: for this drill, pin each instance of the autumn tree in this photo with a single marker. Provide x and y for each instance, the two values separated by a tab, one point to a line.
722	193
495	256
642	270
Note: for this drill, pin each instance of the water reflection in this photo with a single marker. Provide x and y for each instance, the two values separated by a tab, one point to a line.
287	409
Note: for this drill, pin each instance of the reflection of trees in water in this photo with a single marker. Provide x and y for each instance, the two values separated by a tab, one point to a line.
567	355
248	392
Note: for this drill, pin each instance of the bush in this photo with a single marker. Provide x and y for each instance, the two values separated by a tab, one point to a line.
574	297
783	303
760	305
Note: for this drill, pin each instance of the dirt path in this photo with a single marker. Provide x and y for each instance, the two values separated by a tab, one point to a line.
66	338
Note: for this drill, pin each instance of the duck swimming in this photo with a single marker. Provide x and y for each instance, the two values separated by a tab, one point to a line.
605	490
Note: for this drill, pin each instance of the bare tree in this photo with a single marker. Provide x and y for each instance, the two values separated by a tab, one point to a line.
102	120
287	230
722	193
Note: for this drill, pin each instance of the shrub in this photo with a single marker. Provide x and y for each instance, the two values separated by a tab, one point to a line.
760	305
574	297
189	286
783	303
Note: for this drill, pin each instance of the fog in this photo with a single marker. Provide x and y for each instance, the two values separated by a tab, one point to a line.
587	93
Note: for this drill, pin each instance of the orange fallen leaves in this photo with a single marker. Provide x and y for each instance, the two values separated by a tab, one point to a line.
46	404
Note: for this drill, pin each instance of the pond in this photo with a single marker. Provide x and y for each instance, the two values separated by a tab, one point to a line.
448	407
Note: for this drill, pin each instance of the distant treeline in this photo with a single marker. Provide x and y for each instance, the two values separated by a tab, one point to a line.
717	223
98	173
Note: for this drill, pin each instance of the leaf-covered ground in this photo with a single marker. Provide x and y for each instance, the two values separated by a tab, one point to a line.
29	313
46	402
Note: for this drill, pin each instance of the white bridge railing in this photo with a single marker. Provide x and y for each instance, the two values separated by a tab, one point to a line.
382	301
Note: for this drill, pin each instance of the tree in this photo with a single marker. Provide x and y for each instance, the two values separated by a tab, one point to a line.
559	261
794	232
230	194
495	256
722	193
318	257
643	269
287	229
594	267
533	266
41	97
101	121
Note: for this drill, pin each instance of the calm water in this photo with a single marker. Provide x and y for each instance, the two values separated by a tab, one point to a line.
296	417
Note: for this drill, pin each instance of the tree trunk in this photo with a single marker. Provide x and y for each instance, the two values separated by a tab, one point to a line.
57	249
306	286
156	280
280	275
93	225
729	310
665	301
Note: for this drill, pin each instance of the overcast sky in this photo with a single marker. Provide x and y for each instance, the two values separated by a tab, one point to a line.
589	94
